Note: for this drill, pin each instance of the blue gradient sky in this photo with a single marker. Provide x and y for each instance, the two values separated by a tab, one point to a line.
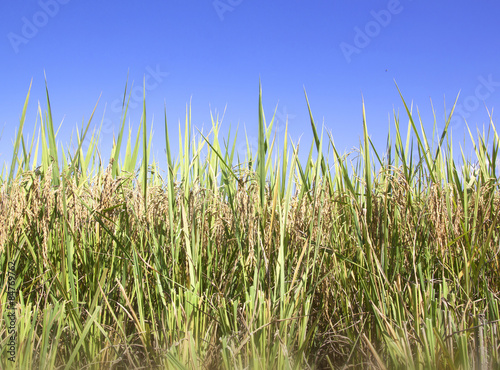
214	52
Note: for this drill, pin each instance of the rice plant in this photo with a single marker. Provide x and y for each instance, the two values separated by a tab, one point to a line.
250	260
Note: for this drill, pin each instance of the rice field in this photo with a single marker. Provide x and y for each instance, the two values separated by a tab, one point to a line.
383	258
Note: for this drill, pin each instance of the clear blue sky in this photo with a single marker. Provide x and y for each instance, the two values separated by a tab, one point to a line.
214	52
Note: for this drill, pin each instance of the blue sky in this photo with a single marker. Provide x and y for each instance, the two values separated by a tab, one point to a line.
213	53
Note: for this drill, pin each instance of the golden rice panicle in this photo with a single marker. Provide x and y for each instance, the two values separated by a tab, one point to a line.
4	215
48	196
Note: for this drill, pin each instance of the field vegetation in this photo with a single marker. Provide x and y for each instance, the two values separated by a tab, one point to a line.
251	260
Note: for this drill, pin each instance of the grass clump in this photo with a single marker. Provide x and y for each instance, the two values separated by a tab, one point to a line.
391	262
